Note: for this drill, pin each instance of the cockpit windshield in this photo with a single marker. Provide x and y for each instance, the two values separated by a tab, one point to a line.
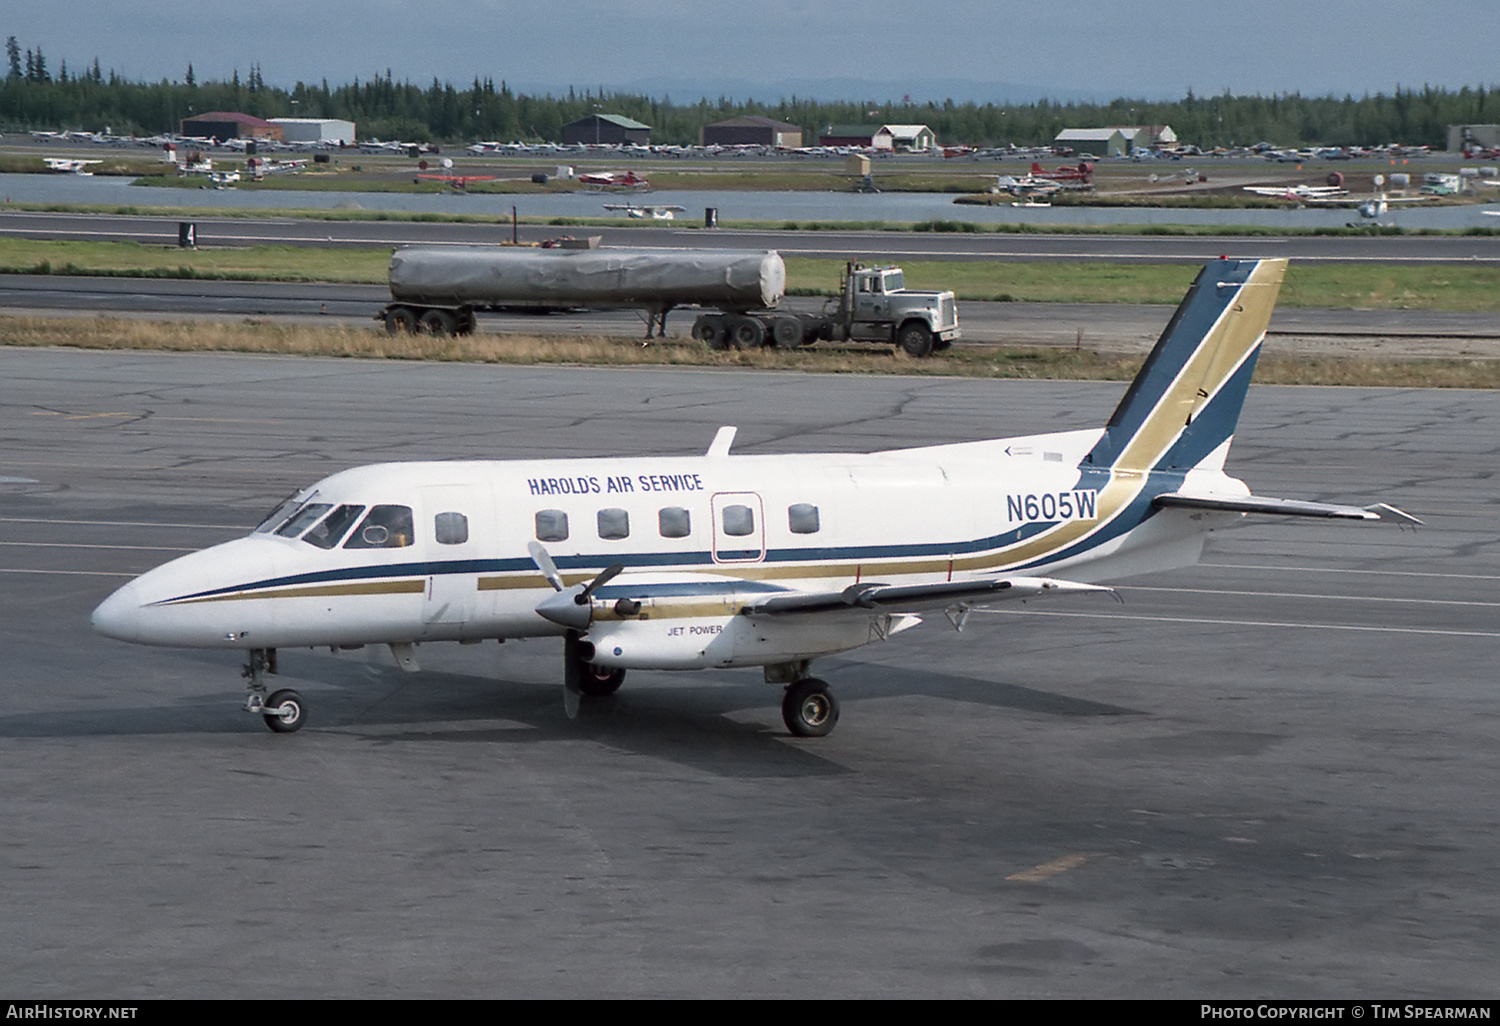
279	515
331	529
304	518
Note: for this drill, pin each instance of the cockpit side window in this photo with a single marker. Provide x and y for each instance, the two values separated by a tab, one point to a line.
331	529
386	527
305	518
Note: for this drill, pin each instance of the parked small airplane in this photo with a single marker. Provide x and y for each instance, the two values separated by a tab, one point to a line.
75	167
658	213
1027	185
1298	193
1083	174
717	561
626	181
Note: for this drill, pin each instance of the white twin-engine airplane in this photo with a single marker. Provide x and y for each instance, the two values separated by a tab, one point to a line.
686	563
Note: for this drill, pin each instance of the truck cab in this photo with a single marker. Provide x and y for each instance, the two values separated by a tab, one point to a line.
878	307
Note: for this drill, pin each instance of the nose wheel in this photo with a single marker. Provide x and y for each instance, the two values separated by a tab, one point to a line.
284	712
809	708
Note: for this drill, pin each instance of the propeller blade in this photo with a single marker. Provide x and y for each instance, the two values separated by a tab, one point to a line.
543	560
572	674
606	575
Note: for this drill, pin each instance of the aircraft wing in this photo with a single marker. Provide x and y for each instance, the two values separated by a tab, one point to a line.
1285	507
877	596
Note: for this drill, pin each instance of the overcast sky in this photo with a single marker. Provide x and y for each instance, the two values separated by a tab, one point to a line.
1156	49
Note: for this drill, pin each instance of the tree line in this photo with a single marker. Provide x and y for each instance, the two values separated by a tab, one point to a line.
32	96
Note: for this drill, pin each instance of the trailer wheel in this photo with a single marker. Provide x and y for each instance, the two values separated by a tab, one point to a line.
914	338
710	331
747	333
439	323
786	332
467	322
400	320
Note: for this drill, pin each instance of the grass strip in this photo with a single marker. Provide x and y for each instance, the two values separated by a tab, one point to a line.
979	362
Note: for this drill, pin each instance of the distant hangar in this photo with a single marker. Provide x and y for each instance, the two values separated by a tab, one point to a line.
751	130
614	129
316	130
880	137
221	126
1115	140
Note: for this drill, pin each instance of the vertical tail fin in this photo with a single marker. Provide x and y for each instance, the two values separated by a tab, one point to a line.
1181	409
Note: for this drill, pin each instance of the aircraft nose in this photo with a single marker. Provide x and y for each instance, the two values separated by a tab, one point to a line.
119	616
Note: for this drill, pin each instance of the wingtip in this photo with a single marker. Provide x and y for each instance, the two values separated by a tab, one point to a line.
1390	514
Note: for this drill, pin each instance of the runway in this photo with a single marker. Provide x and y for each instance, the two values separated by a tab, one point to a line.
832	244
1273	775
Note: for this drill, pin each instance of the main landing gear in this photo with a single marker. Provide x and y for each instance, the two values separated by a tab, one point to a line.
809	709
583	678
284	711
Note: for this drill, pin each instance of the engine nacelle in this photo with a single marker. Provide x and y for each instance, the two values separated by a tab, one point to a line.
736	640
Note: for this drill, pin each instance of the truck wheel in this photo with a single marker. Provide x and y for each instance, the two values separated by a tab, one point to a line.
439	323
914	338
710	331
747	333
786	332
400	320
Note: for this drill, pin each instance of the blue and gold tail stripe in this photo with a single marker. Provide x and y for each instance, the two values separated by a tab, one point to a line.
1193	384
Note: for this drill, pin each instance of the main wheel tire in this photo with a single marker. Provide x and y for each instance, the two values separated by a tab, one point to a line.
914	339
809	709
786	332
598	681
747	333
710	331
400	320
285	712
439	324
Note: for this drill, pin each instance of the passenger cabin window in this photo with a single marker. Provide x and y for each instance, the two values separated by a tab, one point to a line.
551	525
305	518
331	529
386	527
674	522
738	521
451	528
614	524
802	518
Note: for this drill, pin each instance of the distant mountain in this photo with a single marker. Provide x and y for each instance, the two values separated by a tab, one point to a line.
830	90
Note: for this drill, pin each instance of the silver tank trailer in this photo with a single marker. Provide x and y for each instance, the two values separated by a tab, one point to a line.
647	279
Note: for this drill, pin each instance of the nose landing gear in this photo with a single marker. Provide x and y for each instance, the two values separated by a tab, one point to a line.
284	711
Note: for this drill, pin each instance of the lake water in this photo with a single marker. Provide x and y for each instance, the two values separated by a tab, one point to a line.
732	206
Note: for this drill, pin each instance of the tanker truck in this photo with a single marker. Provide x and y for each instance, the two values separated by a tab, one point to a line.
437	290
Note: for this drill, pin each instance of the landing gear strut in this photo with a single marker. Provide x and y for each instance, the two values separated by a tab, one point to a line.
809	708
284	711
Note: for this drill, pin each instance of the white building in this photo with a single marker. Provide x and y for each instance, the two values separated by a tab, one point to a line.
1097	142
313	130
1116	140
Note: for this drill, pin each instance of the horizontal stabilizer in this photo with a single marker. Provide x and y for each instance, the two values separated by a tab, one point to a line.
1285	507
879	596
